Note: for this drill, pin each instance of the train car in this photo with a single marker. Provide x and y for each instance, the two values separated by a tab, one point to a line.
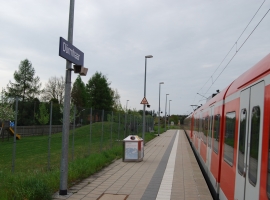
230	136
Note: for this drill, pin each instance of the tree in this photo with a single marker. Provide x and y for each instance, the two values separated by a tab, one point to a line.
6	112
116	100
54	89
182	118
78	93
26	86
99	93
173	118
43	116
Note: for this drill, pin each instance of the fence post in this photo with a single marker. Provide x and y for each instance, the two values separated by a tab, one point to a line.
125	124
14	139
124	133
111	129
129	124
90	131
137	124
74	111
134	124
118	124
49	145
102	132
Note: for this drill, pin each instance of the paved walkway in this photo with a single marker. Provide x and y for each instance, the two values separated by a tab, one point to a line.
169	170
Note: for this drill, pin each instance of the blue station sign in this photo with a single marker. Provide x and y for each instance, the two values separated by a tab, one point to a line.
70	52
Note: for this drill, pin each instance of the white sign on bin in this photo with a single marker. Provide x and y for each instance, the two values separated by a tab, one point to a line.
131	150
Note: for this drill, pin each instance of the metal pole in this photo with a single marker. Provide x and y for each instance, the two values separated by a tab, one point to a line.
50	133
143	132
137	125
118	124
169	113
14	138
166	111
146	124
126	119
134	124
129	124
73	134
90	131
102	132
111	129
65	136
159	111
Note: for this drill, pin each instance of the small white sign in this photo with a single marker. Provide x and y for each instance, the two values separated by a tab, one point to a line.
131	150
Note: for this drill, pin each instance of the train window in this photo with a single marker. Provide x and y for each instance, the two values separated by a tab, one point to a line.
216	133
205	130
202	129
210	131
229	137
254	145
242	141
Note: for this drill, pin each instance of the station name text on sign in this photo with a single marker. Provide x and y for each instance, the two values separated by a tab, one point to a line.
70	52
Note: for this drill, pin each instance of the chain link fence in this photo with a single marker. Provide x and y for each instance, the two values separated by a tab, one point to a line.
34	140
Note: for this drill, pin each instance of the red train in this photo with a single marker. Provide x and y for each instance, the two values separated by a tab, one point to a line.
230	136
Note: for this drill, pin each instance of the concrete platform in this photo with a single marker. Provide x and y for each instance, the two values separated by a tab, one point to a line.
169	170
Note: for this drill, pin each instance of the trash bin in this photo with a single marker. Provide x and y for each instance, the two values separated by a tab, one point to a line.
133	148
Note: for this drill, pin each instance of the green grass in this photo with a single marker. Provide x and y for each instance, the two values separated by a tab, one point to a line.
37	177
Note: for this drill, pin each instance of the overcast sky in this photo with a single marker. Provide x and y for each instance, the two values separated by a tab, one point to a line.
188	40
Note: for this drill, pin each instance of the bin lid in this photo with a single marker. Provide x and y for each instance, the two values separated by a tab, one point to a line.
133	138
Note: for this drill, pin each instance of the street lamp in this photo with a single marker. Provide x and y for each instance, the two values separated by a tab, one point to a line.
166	110
159	108
126	119
126	105
169	113
149	56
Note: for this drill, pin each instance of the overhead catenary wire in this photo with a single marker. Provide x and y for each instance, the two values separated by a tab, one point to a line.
237	50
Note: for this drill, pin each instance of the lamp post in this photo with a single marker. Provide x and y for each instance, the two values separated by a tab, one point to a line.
126	119
159	108
169	113
126	105
149	56
166	111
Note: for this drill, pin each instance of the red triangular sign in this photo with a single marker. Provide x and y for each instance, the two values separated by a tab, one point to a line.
144	101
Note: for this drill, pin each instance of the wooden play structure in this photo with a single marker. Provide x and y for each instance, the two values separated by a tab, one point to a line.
6	130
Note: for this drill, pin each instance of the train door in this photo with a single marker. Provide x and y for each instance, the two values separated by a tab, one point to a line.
248	160
209	139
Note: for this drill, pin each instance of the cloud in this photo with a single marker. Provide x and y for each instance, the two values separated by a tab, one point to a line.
188	39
